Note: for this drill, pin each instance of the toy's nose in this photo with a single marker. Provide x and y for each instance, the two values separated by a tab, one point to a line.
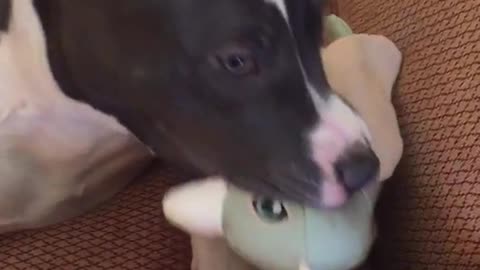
358	166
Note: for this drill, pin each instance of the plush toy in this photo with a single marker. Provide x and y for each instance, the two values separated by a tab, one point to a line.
336	28
234	230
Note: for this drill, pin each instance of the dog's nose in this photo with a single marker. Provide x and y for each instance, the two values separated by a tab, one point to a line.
357	168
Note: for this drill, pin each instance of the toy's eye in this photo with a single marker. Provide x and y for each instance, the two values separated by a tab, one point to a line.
237	61
270	210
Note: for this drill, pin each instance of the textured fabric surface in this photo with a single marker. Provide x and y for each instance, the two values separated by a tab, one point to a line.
128	233
430	212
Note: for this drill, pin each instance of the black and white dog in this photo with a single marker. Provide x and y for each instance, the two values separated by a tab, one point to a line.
232	87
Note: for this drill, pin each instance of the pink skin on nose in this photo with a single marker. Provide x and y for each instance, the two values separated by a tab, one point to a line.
328	145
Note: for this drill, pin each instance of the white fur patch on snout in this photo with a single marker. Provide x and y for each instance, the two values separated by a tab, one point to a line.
339	127
339	118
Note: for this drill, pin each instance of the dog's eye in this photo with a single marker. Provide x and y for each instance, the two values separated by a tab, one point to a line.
269	210
237	61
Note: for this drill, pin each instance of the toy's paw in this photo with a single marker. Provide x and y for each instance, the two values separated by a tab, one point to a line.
196	207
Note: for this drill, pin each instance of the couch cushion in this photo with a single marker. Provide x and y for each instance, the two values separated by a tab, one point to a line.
127	233
430	212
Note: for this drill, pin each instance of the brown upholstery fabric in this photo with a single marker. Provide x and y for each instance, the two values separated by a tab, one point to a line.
128	233
430	213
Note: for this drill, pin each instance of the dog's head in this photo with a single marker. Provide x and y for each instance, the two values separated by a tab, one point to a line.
236	85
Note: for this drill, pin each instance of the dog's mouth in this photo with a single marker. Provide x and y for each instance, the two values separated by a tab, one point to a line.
330	185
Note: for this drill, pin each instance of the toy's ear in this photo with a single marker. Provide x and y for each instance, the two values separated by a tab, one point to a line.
371	60
197	207
384	59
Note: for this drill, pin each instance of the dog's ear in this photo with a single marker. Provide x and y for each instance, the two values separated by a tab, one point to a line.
197	207
318	9
319	4
5	6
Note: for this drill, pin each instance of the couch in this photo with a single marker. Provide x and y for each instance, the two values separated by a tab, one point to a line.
429	213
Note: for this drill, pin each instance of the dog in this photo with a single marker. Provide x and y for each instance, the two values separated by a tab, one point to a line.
229	87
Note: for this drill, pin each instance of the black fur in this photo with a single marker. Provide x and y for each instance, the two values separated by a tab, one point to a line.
154	65
5	7
306	23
